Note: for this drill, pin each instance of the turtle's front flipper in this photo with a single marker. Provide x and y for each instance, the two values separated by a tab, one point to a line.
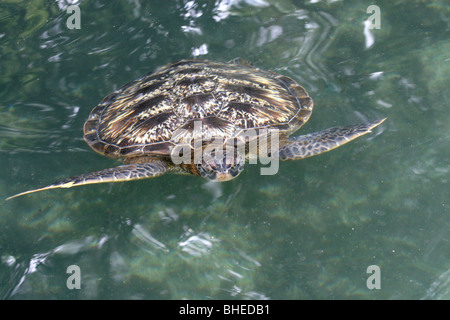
318	142
121	173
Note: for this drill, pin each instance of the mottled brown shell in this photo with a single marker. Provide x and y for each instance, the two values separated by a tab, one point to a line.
152	114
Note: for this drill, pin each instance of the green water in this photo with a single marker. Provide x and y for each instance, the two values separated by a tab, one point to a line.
309	232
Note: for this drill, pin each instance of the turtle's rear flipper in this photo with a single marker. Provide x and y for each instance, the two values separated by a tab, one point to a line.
121	173
318	142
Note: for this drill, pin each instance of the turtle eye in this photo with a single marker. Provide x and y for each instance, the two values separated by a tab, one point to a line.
223	169
206	171
236	169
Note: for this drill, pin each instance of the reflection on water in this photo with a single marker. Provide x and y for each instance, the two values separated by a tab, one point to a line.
311	231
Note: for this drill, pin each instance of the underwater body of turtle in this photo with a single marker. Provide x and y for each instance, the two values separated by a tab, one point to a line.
152	119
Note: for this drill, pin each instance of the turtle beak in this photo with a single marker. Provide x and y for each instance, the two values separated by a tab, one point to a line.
220	173
230	173
225	176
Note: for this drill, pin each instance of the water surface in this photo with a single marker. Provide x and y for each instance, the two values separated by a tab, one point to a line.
309	232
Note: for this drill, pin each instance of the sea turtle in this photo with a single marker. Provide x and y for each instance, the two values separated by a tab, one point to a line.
146	122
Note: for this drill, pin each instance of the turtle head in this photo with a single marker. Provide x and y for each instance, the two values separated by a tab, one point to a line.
222	167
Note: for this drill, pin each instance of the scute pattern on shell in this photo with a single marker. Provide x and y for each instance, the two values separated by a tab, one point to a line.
155	112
